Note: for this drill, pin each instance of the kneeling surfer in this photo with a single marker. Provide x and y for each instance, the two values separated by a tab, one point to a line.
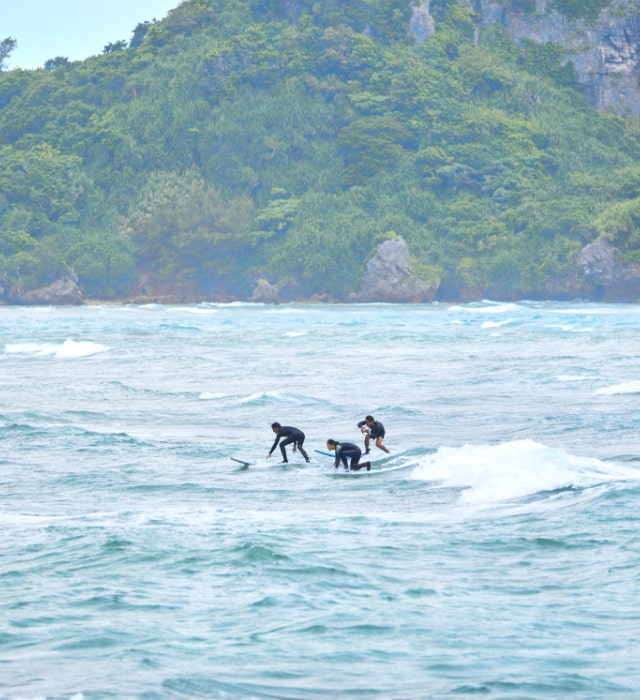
346	450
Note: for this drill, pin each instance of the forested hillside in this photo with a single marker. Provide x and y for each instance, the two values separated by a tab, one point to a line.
239	140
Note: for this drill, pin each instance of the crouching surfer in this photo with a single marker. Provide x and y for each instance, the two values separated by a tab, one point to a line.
291	436
347	451
372	428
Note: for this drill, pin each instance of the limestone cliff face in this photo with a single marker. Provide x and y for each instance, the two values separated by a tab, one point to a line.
605	52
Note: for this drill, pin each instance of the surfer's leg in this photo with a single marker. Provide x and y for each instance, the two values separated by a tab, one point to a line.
379	443
355	461
283	444
302	452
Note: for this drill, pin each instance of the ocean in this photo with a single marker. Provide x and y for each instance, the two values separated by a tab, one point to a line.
500	558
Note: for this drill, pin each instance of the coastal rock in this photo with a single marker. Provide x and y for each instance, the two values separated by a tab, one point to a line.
62	291
614	281
265	293
389	277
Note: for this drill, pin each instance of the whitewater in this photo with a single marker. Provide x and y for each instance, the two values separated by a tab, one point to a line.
501	559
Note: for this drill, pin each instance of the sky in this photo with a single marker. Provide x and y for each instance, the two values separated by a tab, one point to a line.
76	29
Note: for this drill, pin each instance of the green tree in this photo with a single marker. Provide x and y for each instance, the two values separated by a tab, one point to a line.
371	144
44	179
55	63
195	239
105	263
7	46
139	33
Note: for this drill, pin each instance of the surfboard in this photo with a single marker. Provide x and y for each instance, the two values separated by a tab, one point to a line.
327	454
247	463
244	462
364	472
373	472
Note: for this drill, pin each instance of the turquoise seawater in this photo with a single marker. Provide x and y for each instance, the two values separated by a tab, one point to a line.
137	560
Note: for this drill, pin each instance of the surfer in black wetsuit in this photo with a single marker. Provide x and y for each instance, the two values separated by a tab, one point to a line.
372	429
346	450
290	435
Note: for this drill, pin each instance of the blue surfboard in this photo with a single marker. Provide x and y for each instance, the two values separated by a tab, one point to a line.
325	453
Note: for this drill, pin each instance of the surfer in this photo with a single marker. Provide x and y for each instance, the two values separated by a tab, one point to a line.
372	429
290	435
346	450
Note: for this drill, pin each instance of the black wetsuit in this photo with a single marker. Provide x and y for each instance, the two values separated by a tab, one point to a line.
376	430
290	435
346	450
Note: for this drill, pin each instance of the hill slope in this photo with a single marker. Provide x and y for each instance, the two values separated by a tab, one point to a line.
238	141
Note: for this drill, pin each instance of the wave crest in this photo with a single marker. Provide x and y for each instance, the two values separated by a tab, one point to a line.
70	349
515	470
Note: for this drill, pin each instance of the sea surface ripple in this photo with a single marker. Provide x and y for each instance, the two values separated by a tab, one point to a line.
495	552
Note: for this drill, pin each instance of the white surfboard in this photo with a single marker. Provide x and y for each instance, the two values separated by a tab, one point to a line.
245	463
373	472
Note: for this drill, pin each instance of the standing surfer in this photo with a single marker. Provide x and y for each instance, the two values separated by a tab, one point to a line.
290	435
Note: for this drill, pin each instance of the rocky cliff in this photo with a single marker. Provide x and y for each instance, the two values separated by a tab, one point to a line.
605	52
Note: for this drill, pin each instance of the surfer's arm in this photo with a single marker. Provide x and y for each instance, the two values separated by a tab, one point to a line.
273	447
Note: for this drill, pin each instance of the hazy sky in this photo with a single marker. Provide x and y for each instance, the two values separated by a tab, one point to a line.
76	29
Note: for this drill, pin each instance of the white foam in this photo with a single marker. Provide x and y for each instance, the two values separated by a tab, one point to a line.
284	310
70	349
572	378
490	308
256	397
512	470
494	324
193	310
625	388
592	310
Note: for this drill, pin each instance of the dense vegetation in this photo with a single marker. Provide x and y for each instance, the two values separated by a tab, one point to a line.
236	140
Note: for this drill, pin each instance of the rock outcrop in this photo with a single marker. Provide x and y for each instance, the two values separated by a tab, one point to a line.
62	291
421	24
265	293
611	279
389	277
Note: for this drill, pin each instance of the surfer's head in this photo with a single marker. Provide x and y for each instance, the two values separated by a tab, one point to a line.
331	444
275	427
